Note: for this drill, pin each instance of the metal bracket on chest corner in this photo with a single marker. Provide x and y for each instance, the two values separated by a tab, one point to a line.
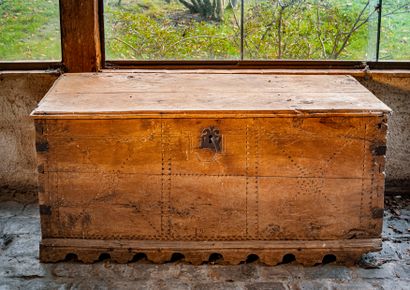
45	209
42	146
379	150
211	139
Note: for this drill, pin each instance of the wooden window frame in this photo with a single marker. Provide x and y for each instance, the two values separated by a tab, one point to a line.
82	50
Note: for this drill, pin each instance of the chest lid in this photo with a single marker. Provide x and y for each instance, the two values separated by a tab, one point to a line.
171	94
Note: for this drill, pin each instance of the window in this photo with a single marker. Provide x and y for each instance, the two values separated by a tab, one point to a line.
315	29
172	29
204	33
262	30
29	30
395	30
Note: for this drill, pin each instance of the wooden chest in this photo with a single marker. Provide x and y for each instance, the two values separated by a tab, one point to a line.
210	166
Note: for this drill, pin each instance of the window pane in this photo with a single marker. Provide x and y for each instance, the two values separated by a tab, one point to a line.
395	32
172	29
29	30
309	29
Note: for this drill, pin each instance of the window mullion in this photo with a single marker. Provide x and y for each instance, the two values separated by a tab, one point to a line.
379	25
242	26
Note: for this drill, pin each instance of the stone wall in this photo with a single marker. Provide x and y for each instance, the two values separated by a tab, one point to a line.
394	91
21	91
19	95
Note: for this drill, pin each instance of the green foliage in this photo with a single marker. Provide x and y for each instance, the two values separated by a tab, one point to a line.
29	30
291	29
274	29
167	29
169	33
307	30
395	36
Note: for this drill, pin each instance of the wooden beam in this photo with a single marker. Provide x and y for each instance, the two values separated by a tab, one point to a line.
80	35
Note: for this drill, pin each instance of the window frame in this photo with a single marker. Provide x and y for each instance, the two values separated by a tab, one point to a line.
258	64
253	64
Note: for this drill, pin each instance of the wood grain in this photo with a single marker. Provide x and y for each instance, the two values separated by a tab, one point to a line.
158	94
268	182
308	253
80	35
296	180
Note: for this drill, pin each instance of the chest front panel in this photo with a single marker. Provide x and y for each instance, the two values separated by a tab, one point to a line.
289	178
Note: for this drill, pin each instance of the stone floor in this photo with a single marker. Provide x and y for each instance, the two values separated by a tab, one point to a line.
20	267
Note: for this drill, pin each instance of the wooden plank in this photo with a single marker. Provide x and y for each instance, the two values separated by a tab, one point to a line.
102	221
204	208
128	190
85	104
80	35
376	135
175	245
312	208
131	128
188	158
158	94
307	252
267	182
119	206
291	147
130	147
125	205
186	83
312	147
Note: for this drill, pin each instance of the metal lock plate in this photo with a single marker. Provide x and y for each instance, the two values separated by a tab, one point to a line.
211	139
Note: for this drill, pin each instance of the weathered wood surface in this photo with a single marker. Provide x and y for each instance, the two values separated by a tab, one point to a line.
156	94
300	181
268	252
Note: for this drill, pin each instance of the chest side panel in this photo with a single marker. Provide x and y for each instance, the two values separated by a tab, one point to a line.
273	178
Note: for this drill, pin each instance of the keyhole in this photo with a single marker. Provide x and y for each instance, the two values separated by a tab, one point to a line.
210	139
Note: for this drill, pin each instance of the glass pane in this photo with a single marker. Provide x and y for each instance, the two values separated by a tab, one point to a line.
308	29
29	30
395	31
172	29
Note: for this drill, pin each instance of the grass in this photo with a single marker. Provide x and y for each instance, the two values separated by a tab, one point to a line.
29	30
395	37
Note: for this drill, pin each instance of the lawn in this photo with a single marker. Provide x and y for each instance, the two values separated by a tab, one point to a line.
395	36
29	30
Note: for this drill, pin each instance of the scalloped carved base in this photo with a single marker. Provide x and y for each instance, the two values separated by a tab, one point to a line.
272	253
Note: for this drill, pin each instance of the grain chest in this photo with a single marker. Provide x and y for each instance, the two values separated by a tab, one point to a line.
193	165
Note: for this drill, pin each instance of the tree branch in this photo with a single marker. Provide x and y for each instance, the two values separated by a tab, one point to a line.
353	29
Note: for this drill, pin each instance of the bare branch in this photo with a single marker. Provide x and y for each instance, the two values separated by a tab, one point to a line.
353	29
318	31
